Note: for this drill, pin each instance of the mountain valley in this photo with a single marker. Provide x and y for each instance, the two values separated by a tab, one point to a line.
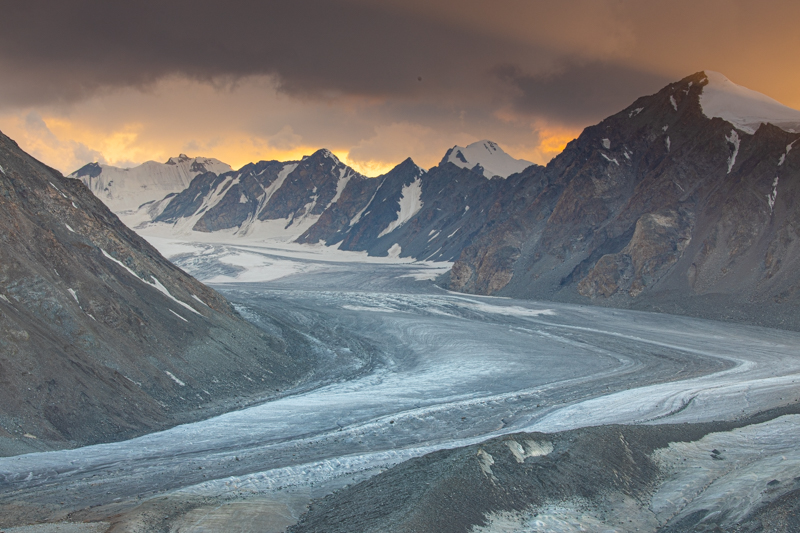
605	343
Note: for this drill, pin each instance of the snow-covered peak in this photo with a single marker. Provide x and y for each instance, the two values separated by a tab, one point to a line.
486	157
327	153
744	108
125	189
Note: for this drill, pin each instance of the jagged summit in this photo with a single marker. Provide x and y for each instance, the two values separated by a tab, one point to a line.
485	157
182	158
322	153
744	108
409	163
91	170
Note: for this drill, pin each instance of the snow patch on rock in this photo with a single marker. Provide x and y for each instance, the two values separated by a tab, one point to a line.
167	372
410	204
341	184
773	195
155	283
610	160
733	139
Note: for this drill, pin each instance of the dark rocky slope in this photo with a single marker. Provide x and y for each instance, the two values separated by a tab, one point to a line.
101	338
657	207
454	205
605	475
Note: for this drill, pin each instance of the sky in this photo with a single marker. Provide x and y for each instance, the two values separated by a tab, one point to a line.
374	81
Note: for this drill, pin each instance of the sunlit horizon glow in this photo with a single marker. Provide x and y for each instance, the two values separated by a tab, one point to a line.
58	143
67	140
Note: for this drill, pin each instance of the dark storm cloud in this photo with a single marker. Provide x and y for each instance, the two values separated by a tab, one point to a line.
67	50
56	51
574	61
578	91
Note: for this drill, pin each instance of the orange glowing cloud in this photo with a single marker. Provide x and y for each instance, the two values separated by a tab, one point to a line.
552	141
368	168
67	143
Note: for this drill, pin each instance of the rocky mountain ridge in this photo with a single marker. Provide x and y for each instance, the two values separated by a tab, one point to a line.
408	212
658	207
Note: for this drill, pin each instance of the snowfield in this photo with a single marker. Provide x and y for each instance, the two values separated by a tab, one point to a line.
125	189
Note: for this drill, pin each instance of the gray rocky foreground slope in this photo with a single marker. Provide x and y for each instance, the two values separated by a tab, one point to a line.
604	478
101	338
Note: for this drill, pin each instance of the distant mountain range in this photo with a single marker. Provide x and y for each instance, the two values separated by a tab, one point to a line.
320	199
125	189
683	202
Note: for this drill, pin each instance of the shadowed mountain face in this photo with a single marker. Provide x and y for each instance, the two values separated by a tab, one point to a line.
101	338
288	196
657	207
